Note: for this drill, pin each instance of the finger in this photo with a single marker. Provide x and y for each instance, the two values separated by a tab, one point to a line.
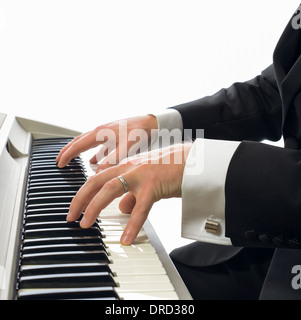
102	152
67	146
77	146
92	186
139	215
108	161
93	160
116	156
127	203
81	200
110	191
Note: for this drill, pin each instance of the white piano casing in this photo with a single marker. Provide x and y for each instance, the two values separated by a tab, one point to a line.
16	135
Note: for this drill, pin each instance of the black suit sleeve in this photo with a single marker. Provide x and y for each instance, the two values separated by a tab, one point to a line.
263	196
245	111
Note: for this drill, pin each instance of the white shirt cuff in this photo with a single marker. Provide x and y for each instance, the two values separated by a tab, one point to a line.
169	124
203	189
169	119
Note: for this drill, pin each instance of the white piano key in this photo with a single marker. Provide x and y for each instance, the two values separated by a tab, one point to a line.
144	286
119	248
133	256
136	270
142	278
106	224
136	263
116	239
113	213
118	233
153	295
109	291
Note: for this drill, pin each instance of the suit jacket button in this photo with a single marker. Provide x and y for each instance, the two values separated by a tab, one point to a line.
264	238
279	240
251	235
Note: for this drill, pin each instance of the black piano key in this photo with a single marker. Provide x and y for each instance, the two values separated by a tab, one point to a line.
49	217
59	179
45	149
59	183
51	157
61	240
52	224
63	247
54	149
29	270
55	175
54	168
49	153
67	280
61	232
45	217
56	224
64	257
52	210
38	146
47	200
46	162
41	208
49	142
101	293
51	193
52	140
47	206
53	188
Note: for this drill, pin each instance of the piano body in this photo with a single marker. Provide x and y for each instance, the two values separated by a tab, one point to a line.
44	257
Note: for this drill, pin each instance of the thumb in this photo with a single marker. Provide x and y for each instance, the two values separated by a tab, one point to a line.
127	203
139	215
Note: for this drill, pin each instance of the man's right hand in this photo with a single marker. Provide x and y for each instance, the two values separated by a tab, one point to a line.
110	154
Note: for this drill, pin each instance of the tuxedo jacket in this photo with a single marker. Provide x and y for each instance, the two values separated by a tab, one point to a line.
263	183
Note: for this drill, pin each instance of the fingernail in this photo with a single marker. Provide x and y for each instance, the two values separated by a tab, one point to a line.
83	222
68	217
125	240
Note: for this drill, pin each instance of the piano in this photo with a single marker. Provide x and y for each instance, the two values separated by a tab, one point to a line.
44	257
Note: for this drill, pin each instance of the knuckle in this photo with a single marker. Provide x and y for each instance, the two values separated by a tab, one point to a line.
98	128
92	181
141	207
109	186
144	168
124	164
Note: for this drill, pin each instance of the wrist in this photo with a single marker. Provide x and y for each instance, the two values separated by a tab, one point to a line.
151	122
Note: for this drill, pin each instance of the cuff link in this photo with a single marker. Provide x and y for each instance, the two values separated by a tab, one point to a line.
211	225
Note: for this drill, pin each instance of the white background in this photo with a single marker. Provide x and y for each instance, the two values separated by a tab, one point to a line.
79	64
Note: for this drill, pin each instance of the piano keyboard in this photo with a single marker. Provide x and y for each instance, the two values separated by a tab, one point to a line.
60	260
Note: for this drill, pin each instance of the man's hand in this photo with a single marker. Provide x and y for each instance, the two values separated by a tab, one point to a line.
113	151
150	176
